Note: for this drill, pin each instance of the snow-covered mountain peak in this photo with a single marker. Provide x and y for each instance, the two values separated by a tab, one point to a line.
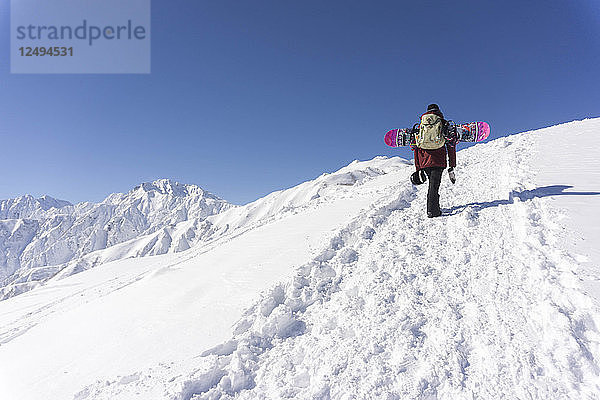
27	206
171	187
48	202
164	189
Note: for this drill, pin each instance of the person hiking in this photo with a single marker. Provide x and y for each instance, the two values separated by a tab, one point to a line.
431	149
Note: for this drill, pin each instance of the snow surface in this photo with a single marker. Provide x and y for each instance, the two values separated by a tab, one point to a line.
574	175
341	288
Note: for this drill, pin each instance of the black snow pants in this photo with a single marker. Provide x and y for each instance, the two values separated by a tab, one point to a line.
434	176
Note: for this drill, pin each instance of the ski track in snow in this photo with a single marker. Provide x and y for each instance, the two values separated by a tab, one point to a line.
479	303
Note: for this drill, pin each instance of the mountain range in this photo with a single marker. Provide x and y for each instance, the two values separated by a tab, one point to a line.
40	238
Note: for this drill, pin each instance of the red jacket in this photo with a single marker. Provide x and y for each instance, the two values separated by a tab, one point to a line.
435	158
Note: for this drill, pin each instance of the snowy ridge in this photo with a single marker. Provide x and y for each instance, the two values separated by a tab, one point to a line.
306	195
28	207
172	237
337	288
41	237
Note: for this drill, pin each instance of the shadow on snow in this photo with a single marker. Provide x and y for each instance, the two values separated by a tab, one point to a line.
545	191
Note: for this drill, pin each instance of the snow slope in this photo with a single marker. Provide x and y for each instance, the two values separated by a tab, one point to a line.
350	293
574	170
174	294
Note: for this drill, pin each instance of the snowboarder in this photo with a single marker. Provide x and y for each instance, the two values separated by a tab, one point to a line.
431	150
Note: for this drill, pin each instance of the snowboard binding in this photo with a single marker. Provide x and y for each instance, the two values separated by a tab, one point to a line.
451	133
413	140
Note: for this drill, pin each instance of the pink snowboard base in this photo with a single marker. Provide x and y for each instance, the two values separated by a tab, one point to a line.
483	131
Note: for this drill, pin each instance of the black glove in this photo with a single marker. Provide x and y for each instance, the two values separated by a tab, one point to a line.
418	177
451	175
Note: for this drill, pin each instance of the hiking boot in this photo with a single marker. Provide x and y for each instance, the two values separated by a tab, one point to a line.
433	214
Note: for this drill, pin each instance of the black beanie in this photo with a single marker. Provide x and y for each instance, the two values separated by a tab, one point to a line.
433	107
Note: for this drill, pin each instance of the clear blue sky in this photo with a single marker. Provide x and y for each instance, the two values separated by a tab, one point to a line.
247	97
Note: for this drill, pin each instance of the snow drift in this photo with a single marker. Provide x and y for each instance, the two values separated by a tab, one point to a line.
342	288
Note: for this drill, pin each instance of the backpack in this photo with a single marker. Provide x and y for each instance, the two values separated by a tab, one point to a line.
431	132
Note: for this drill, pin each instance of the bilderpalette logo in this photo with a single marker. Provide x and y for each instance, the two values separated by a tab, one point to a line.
80	36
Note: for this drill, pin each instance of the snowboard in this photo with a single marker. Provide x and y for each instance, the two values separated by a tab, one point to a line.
470	132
